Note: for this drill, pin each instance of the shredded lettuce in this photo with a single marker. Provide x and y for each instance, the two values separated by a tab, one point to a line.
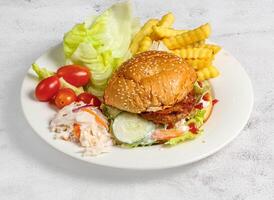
201	90
42	73
199	116
130	146
186	136
101	43
138	144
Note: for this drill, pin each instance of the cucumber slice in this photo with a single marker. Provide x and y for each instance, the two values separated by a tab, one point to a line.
130	128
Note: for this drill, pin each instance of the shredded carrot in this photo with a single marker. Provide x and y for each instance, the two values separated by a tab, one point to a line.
76	130
166	134
97	118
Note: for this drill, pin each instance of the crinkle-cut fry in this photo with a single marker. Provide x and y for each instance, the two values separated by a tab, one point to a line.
213	47
145	44
189	37
163	32
144	31
196	44
194	53
167	20
207	73
199	63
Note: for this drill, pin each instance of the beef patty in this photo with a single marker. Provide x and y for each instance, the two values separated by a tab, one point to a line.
173	114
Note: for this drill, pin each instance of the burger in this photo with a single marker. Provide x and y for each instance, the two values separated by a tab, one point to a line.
155	84
160	87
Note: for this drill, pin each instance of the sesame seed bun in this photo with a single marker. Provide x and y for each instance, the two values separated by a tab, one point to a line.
150	81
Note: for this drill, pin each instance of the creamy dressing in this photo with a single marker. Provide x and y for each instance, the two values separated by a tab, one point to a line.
148	138
181	125
204	103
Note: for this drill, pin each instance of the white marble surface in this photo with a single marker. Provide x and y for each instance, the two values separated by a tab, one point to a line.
30	169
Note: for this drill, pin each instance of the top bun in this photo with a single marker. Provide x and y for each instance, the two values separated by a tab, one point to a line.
150	81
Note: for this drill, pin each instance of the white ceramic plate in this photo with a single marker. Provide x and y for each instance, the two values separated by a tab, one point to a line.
233	89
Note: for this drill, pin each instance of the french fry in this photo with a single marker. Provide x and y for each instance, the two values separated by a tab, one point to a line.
167	20
215	48
190	37
199	63
196	44
194	53
144	31
163	32
207	73
145	44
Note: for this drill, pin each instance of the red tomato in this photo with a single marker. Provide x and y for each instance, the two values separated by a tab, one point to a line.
47	88
214	101
64	97
199	106
206	97
74	74
89	99
193	128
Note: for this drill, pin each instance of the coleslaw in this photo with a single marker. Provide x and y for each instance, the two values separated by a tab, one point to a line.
84	125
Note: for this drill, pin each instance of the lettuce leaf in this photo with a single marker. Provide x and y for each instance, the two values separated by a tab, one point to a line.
140	143
42	73
65	84
201	90
101	44
199	117
186	136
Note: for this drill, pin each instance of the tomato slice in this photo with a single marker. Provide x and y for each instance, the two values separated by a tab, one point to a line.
74	74
47	88
166	134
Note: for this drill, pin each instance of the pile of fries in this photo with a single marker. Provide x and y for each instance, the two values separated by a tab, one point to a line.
188	44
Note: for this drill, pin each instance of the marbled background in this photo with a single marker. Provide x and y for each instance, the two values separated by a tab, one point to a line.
30	169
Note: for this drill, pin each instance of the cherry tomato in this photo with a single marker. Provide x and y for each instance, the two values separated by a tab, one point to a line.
74	74
64	97
47	88
89	99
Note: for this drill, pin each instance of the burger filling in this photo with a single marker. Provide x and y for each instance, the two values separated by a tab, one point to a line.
175	113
